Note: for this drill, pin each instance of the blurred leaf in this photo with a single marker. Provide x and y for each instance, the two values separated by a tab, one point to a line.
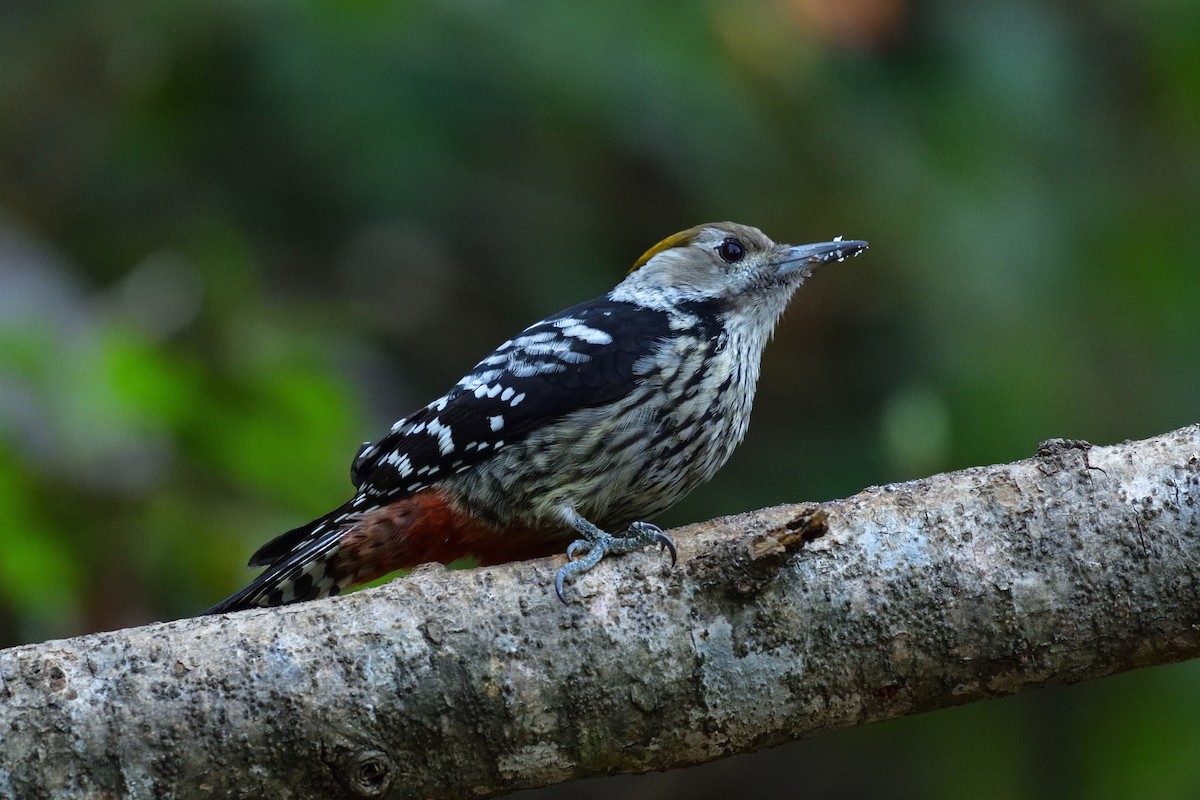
39	573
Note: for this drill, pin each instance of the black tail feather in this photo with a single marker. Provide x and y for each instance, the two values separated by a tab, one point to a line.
299	564
285	543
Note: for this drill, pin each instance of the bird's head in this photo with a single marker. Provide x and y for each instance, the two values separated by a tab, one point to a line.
727	263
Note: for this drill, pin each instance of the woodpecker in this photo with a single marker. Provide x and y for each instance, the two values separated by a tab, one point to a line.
579	429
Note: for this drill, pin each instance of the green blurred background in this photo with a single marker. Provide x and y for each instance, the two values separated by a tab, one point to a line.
238	238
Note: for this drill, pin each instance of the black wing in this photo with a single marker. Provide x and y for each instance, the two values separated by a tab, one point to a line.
581	357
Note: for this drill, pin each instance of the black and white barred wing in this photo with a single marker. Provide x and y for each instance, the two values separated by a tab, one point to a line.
582	357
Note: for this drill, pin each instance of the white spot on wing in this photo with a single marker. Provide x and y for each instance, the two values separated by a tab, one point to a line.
443	434
536	338
522	369
400	462
497	422
587	334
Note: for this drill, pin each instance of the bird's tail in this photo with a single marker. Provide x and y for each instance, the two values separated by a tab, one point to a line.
301	564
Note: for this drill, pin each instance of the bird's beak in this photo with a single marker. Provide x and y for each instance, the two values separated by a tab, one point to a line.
793	258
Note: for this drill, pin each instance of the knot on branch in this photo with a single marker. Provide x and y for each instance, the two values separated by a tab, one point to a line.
366	773
1058	447
750	564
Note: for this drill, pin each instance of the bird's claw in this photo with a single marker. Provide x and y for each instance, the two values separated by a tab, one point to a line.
665	543
649	534
558	585
579	547
583	554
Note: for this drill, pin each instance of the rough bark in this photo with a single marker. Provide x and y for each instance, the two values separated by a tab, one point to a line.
1072	565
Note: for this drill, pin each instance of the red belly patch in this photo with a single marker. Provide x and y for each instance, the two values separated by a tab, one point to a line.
427	526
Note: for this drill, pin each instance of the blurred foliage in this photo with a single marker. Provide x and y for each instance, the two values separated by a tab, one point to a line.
236	239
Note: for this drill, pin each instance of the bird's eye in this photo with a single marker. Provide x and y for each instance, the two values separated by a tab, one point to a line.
731	251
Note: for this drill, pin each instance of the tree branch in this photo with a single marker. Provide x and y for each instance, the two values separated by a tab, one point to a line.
1075	564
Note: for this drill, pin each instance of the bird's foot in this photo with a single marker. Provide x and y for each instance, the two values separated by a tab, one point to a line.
583	554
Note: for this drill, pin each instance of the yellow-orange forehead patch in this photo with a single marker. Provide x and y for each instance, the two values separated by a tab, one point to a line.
681	239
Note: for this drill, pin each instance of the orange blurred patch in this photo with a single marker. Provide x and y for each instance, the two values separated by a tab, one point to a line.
869	23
